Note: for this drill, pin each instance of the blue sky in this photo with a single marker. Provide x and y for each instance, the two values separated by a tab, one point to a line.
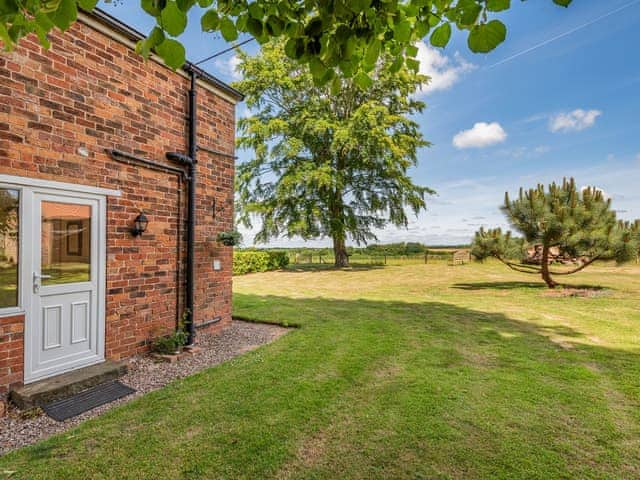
534	110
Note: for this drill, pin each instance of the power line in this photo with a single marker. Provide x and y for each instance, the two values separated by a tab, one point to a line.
562	35
226	50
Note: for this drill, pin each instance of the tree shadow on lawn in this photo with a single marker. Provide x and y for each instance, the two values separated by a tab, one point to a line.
374	389
521	285
303	268
522	392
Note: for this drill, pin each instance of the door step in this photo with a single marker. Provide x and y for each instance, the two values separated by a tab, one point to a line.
62	386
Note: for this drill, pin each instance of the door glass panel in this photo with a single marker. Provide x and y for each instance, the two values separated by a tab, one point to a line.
65	243
9	201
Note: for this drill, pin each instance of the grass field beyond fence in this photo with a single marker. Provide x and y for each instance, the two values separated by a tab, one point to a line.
363	257
397	372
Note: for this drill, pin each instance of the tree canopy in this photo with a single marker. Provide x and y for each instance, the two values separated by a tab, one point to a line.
343	37
329	160
578	222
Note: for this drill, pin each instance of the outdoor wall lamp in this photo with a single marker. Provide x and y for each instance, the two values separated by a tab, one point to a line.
140	225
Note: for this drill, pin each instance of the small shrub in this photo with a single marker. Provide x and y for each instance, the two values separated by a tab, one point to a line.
172	343
252	261
278	260
166	345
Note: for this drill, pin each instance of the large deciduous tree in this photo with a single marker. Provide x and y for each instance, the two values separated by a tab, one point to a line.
579	222
329	160
337	36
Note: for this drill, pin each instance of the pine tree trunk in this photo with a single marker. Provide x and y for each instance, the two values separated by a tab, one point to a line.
340	252
546	275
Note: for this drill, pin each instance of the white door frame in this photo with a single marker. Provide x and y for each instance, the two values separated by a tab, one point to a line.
28	189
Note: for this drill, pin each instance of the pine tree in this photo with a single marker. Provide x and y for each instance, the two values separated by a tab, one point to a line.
580	223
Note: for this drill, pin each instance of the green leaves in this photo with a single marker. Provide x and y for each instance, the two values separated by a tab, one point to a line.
373	52
172	52
146	46
210	21
153	7
485	37
345	37
363	80
228	29
87	4
65	14
467	12
498	5
173	20
441	35
317	68
328	158
402	31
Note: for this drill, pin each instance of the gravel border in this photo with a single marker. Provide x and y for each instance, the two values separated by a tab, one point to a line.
145	375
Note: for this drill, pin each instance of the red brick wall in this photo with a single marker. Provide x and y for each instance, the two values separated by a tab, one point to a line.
94	92
11	351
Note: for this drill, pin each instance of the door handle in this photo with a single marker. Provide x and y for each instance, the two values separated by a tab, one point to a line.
37	277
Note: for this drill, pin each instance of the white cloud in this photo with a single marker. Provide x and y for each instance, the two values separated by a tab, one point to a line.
573	121
229	67
638	158
443	71
481	135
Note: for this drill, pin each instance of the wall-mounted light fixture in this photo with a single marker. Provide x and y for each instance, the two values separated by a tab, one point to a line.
140	225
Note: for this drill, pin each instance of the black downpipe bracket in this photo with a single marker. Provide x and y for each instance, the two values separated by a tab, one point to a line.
191	211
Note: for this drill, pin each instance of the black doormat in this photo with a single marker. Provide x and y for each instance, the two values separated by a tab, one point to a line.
61	410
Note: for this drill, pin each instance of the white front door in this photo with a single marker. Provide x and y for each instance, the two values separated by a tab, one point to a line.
65	296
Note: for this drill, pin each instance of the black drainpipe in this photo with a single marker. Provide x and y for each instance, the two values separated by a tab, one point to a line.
191	215
190	160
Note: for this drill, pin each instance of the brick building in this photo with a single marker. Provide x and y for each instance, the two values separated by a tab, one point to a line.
84	132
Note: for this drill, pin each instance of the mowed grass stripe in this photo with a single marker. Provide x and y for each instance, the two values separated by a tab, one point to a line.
403	372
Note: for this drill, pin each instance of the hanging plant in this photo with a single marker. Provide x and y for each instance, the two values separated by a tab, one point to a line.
229	239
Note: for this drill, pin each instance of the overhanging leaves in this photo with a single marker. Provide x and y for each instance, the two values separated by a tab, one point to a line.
172	52
347	37
485	37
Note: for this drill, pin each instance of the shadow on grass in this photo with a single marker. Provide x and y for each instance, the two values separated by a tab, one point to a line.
492	394
517	285
441	320
358	267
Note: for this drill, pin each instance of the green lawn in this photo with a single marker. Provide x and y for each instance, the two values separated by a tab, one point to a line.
8	285
419	371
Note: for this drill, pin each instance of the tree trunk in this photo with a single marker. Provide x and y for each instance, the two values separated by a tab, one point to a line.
340	252
546	275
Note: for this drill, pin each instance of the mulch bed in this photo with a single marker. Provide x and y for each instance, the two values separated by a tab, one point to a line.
145	375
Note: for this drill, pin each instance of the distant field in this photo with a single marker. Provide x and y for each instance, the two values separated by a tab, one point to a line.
325	257
404	372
